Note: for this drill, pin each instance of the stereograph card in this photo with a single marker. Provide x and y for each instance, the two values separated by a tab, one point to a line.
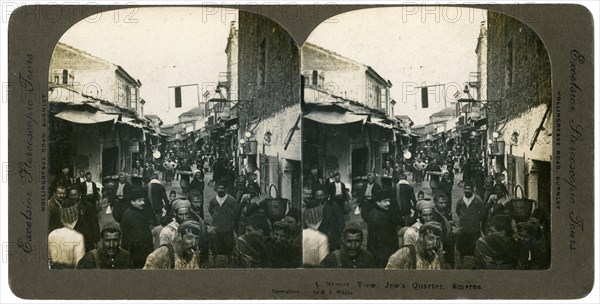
301	152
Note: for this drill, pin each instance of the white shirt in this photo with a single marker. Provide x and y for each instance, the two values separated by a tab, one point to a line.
65	246
90	188
369	190
120	190
315	248
338	188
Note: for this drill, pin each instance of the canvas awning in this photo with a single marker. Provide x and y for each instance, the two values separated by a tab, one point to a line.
334	118
84	117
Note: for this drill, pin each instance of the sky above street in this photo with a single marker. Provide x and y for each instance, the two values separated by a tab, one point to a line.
161	47
410	46
165	47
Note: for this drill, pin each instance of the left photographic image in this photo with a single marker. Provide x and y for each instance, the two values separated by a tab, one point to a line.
174	142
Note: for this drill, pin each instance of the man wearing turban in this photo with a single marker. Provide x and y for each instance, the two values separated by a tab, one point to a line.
186	251
423	254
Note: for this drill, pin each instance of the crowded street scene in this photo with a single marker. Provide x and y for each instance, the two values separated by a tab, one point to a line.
193	162
423	156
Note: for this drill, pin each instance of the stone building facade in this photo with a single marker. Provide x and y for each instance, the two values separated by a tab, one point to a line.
269	104
519	108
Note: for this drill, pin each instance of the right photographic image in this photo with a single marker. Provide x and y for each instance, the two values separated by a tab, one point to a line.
426	141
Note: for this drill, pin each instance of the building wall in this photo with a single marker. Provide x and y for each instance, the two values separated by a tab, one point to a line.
343	77
266	48
92	76
519	78
524	84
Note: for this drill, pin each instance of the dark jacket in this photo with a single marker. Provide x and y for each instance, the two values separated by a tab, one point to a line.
137	236
196	185
331	190
340	259
157	195
382	239
83	191
332	225
222	216
405	197
120	205
122	260
470	218
88	225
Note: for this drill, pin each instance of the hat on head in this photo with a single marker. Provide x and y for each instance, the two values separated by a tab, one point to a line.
181	203
383	194
137	194
431	226
424	204
111	226
353	226
190	226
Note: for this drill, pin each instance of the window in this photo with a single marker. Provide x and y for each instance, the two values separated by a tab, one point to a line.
127	96
133	98
378	97
262	62
56	79
65	76
321	80
315	78
509	67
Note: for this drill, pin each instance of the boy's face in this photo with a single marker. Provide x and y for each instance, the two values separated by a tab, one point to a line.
172	196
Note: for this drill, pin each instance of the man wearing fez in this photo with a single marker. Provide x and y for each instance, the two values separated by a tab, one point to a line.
137	234
182	211
54	206
382	238
65	244
422	255
351	255
186	251
120	197
109	255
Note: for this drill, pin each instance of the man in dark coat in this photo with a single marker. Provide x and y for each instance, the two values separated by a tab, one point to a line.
382	239
351	255
120	197
109	254
330	217
63	179
87	224
90	194
54	206
405	198
338	193
157	195
366	194
137	235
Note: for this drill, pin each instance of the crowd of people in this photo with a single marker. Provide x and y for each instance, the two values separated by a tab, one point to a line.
149	227
485	228
385	221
